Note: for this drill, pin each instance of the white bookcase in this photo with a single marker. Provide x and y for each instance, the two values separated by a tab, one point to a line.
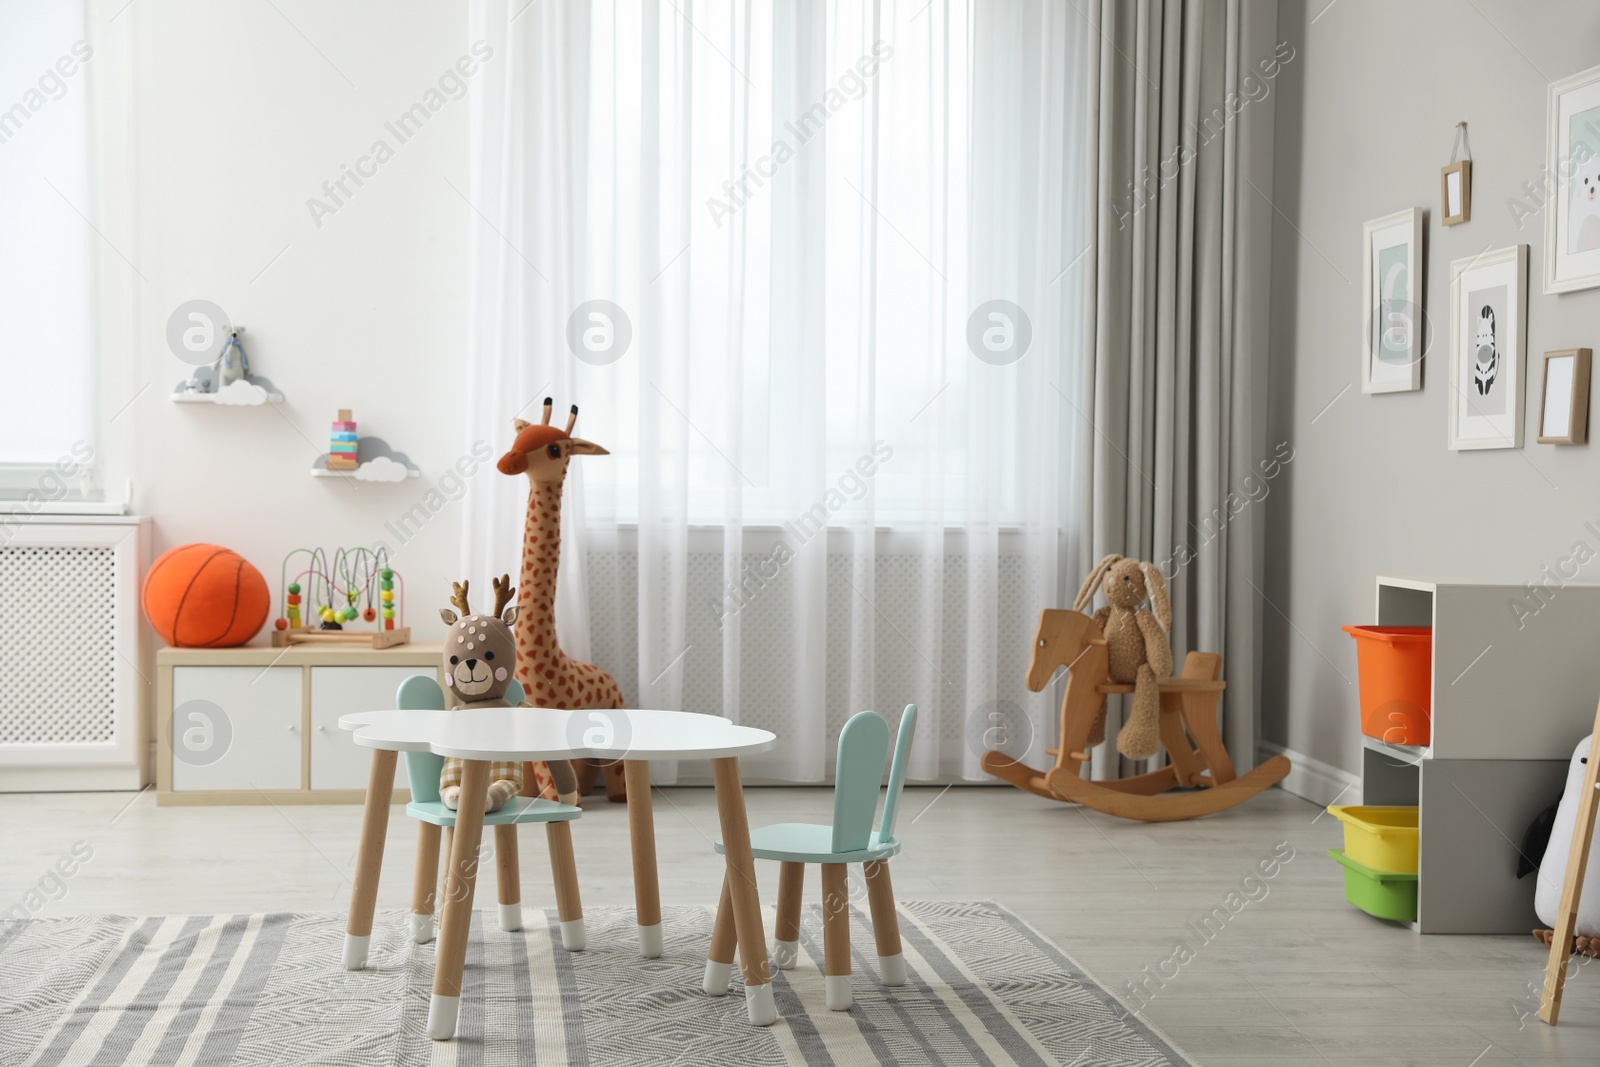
1513	693
259	725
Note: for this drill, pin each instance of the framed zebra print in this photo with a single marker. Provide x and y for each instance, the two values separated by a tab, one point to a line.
1488	332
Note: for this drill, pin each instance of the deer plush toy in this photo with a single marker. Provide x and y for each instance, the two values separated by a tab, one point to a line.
480	656
1138	650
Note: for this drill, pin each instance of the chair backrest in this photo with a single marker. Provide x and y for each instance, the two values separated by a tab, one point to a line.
421	693
897	770
863	744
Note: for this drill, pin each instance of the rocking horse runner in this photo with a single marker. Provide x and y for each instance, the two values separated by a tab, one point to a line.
550	677
1186	707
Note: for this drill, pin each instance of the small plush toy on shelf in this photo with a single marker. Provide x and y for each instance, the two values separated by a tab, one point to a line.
480	657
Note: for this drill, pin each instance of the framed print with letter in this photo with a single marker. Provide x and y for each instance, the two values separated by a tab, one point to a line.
1392	340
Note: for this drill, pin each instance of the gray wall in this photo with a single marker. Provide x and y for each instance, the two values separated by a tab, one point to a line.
1365	120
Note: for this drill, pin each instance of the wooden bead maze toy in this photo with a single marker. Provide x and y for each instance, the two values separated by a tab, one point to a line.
323	602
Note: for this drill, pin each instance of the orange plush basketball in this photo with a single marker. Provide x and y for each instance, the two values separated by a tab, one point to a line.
205	596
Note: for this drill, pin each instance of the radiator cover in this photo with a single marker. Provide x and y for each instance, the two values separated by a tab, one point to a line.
72	651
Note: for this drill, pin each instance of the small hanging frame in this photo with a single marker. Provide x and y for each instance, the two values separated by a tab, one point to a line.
1455	181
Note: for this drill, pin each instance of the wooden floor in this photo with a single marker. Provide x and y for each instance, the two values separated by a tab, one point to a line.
1295	976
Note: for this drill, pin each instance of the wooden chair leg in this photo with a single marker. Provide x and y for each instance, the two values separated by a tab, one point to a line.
445	1006
836	935
569	907
369	858
642	834
508	878
425	883
719	961
885	923
786	932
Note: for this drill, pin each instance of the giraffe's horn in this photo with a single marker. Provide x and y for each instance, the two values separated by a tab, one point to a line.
572	420
549	404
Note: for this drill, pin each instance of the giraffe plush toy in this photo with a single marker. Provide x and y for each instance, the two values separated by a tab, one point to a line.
550	678
479	656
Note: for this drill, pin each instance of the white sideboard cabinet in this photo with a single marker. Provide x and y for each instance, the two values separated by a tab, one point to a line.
259	725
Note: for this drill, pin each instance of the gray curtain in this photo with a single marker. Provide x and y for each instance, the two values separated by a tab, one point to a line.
1177	452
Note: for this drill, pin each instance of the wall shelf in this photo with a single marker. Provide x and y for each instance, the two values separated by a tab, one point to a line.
211	398
323	472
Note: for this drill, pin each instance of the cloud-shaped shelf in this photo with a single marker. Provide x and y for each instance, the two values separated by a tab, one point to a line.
248	391
376	462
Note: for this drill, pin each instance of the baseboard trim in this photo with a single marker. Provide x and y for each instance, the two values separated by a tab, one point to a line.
1313	780
29	778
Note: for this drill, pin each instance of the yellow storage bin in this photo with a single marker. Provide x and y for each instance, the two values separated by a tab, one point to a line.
1382	838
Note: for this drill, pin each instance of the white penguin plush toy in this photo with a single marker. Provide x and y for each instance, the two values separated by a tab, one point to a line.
1553	870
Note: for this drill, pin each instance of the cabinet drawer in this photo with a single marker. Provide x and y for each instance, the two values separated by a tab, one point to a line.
337	762
235	728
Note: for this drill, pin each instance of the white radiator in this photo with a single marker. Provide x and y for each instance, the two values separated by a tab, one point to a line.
73	689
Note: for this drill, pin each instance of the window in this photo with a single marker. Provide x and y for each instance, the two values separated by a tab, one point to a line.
46	250
847	186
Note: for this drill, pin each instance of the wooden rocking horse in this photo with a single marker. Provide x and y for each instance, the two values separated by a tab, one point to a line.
1188	710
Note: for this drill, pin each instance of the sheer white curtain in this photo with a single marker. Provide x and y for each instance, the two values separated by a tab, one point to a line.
798	216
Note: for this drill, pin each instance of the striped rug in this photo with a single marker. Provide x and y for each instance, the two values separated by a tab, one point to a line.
208	990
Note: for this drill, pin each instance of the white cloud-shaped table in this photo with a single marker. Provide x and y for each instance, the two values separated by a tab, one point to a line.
488	734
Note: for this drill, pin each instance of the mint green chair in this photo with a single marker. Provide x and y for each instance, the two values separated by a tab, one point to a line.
863	745
422	693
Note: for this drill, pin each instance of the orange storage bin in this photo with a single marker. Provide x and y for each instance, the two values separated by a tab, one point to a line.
1396	671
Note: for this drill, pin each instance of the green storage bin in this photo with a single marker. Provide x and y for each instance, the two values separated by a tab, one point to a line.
1383	894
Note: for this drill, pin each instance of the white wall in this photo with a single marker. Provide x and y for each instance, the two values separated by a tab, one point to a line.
1365	120
238	116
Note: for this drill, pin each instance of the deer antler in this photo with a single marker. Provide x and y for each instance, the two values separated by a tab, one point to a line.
502	593
460	597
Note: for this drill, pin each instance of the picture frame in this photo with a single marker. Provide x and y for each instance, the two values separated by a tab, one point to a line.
1572	156
1455	193
1564	397
1393	336
1488	334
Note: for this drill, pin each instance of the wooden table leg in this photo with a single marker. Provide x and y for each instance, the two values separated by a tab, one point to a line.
719	961
425	883
786	932
444	867
456	921
369	858
508	877
836	936
744	894
885	923
646	882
